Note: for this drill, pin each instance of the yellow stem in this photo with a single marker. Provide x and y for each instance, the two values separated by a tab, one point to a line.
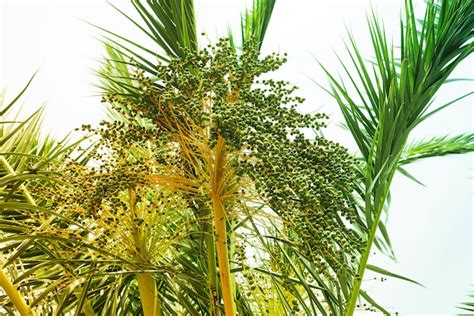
15	297
146	282
223	256
221	229
231	248
148	294
212	273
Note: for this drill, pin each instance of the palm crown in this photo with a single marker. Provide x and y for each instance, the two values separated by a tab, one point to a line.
202	194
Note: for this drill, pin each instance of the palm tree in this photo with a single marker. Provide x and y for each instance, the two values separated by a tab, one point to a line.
393	95
26	157
201	194
117	257
201	148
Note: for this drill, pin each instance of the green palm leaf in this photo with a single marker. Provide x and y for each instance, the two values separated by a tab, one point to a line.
469	305
170	24
393	95
255	21
25	160
437	147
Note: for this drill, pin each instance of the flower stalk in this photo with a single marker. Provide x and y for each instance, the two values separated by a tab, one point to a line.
146	282
212	271
220	227
16	298
148	294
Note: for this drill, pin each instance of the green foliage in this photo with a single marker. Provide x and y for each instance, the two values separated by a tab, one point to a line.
467	306
170	24
142	207
207	192
254	22
213	93
393	95
25	164
437	147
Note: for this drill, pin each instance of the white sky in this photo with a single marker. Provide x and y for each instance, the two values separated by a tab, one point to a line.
431	227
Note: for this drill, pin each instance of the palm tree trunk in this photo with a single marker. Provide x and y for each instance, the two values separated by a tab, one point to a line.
220	228
223	256
361	269
146	282
380	197
212	271
148	294
15	297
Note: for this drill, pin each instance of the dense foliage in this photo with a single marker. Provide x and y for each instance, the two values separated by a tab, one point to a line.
208	192
203	112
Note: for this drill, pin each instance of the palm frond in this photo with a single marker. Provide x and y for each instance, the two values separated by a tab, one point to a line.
26	157
169	24
255	21
437	147
393	95
468	305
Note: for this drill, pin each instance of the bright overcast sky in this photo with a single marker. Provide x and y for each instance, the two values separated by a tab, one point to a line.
431	227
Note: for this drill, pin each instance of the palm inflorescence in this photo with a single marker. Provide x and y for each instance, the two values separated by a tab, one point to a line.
207	191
